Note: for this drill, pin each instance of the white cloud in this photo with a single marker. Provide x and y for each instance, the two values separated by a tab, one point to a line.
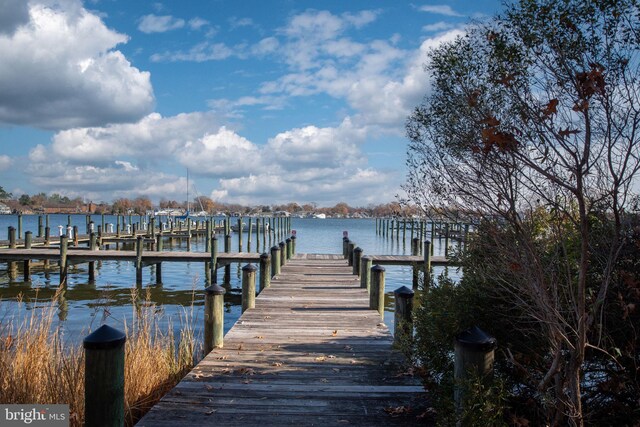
159	24
440	9
201	52
5	162
235	22
59	70
197	23
438	26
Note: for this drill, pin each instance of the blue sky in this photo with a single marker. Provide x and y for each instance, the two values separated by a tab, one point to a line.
262	101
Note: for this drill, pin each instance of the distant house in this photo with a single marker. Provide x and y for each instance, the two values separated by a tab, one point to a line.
4	209
281	213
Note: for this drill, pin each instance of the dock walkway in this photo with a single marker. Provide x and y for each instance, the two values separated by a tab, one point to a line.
311	352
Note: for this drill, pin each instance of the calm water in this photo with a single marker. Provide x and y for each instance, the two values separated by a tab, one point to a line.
87	305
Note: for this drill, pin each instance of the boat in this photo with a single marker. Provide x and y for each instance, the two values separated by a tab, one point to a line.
320	216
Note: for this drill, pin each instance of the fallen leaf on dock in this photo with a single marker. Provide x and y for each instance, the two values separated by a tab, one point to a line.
324	380
320	359
334	333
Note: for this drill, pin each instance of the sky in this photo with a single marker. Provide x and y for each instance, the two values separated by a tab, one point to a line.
258	102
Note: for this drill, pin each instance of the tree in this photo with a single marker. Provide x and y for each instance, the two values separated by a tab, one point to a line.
25	200
4	195
538	110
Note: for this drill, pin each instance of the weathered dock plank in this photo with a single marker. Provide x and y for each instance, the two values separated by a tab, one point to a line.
310	353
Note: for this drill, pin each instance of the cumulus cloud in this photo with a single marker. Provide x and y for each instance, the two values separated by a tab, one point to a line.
5	162
201	52
14	14
60	70
159	24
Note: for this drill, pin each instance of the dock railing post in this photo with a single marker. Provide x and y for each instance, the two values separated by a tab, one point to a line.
275	260
104	377
283	254
40	226
12	265
213	318
92	264
415	251
293	245
64	242
403	319
139	248
27	262
426	254
227	249
288	244
350	249
265	271
345	247
376	297
357	256
474	352
248	287
365	272
214	257
159	248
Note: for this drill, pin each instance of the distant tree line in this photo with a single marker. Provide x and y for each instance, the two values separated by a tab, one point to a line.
143	204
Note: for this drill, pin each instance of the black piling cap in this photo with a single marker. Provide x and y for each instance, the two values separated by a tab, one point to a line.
475	338
249	267
293	237
358	249
345	239
377	268
215	289
403	291
288	240
275	248
282	244
264	255
104	338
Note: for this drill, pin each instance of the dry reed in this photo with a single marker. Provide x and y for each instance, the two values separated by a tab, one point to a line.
39	367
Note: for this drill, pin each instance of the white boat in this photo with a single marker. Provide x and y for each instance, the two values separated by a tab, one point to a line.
320	216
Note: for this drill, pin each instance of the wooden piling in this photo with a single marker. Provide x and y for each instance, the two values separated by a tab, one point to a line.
427	260
213	264
357	256
92	264
275	260
293	245
240	234
40	226
248	287
402	318
27	263
283	253
159	248
64	242
376	296
12	265
288	246
350	247
265	271
213	318
139	248
365	272
104	377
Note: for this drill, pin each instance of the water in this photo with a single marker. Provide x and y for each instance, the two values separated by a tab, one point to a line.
84	305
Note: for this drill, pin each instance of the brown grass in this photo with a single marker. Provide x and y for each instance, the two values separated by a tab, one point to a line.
37	367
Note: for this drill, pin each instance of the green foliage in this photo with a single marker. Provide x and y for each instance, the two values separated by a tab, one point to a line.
4	195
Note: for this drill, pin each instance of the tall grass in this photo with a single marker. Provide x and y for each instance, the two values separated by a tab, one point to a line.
37	366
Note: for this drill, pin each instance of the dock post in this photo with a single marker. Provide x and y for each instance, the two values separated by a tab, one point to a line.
474	352
213	318
350	248
283	254
288	243
92	264
357	256
365	272
64	241
293	245
75	235
139	248
159	264
207	240
376	297
104	377
27	262
275	260
213	263
265	271
19	226
227	249
40	226
249	232
345	246
47	236
12	266
239	234
427	260
446	240
248	287
415	251
402	318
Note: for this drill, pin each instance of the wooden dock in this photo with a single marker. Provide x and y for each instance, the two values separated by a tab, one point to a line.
311	352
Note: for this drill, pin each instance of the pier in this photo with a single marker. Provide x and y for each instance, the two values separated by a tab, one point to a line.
311	352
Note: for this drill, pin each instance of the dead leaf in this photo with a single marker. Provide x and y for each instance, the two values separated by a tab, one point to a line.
324	380
213	411
397	411
321	359
334	333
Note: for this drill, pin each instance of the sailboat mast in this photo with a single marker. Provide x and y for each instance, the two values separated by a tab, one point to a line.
188	192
